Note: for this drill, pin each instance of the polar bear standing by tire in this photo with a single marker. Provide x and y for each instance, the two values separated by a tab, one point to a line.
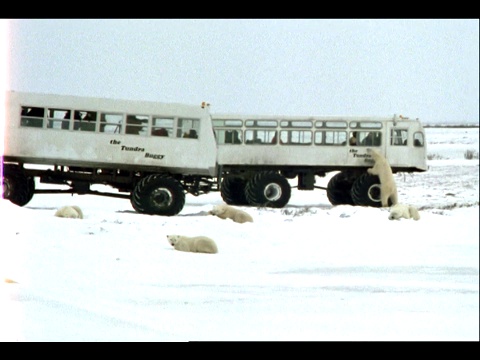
72	212
224	211
196	244
405	211
388	187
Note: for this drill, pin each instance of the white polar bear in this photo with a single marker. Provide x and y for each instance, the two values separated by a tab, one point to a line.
388	187
72	212
405	211
224	211
198	244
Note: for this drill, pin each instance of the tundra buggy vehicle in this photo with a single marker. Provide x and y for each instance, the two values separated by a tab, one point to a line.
155	153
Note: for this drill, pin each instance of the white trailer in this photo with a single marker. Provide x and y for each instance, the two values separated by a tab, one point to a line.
154	153
258	153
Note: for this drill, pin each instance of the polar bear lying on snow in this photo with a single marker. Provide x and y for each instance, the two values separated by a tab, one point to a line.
72	212
224	211
399	211
198	244
388	188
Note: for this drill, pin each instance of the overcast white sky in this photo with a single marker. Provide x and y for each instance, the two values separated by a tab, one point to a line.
418	68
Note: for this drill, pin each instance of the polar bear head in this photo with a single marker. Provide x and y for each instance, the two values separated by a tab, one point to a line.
172	239
218	210
397	214
405	211
73	212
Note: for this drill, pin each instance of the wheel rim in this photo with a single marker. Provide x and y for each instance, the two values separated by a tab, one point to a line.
272	192
374	193
161	197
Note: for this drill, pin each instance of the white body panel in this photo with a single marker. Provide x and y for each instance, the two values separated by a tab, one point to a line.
317	141
54	145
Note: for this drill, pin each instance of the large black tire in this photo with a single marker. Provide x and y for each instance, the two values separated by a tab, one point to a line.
17	187
31	187
366	191
269	189
338	189
158	194
232	190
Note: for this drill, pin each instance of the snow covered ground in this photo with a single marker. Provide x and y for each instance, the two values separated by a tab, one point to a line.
309	271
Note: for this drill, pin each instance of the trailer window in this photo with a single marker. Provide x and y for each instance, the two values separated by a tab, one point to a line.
418	139
84	120
111	123
261	123
59	119
369	138
260	136
32	116
136	124
398	137
335	138
336	124
366	124
330	137
295	124
188	128
295	137
227	123
162	126
224	136
352	140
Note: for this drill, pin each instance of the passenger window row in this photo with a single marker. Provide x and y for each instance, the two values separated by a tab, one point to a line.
111	123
